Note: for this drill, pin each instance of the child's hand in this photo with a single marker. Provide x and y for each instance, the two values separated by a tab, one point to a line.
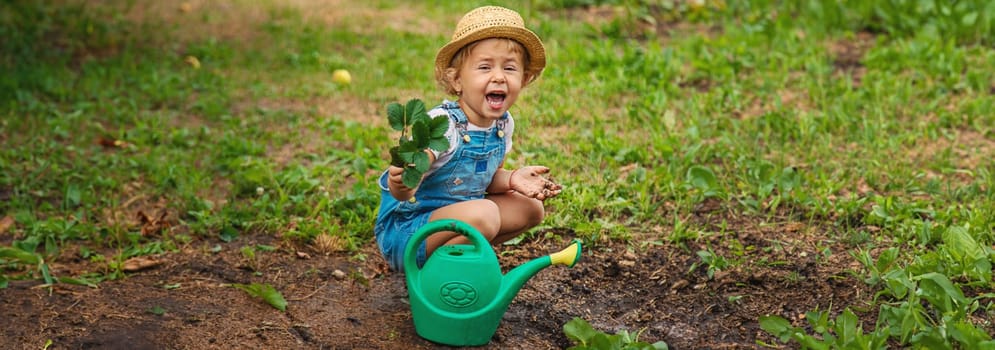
530	182
395	182
394	178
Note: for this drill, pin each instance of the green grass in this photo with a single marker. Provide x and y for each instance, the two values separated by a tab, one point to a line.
755	104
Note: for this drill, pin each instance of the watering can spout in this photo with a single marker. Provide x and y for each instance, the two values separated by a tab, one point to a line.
516	278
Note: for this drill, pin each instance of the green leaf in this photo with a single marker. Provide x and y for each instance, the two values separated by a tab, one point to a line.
898	283
3	281
228	233
810	342
846	327
969	19
45	273
409	146
73	196
421	162
265	247
660	345
819	321
395	115
579	331
266	292
157	310
395	157
939	291
440	144
966	251
77	281
407	158
777	326
411	177
19	255
789	179
962	246
420	134
439	125
886	259
970	336
702	178
606	341
931	338
415	109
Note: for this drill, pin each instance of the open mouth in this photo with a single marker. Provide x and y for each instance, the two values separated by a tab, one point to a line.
495	99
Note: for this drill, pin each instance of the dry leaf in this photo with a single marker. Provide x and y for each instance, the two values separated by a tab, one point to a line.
303	255
793	226
152	224
139	263
6	223
327	244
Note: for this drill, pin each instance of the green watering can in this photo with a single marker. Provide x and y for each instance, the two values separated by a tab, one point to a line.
459	296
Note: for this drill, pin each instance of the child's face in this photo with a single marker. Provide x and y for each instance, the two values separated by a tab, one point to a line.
490	79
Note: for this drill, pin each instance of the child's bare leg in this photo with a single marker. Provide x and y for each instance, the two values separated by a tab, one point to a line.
482	214
519	213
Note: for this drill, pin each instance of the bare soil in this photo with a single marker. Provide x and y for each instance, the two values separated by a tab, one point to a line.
340	302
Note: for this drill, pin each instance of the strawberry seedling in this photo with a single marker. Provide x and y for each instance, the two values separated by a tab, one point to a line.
419	132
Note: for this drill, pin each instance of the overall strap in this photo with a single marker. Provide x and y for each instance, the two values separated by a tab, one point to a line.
459	119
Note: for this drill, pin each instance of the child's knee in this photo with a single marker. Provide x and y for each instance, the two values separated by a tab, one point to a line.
486	220
534	212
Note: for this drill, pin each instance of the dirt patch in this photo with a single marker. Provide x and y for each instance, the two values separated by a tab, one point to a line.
795	101
658	288
848	55
958	153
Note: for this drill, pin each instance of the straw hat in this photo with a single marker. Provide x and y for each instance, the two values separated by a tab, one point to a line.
491	22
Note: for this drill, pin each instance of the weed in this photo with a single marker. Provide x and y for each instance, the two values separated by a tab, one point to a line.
265	291
713	262
584	336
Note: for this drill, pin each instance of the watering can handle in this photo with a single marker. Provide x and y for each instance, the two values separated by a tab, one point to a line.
411	250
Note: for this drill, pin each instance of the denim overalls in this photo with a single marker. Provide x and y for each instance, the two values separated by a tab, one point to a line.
465	176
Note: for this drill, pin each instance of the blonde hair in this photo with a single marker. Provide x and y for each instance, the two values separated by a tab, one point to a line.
460	57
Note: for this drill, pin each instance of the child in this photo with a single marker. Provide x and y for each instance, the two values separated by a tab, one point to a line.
490	58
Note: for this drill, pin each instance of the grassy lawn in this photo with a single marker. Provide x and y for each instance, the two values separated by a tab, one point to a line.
132	128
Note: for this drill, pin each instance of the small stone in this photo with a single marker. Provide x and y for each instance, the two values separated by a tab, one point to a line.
338	274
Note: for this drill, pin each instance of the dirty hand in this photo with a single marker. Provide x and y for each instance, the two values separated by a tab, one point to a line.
530	182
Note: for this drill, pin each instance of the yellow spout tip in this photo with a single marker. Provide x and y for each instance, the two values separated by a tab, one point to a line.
568	256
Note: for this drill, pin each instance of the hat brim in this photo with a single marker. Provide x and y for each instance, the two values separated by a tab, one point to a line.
528	39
